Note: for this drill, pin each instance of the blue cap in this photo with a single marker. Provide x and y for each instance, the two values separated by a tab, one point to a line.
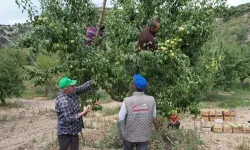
140	82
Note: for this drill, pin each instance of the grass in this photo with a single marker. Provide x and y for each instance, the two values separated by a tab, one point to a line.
110	111
162	139
31	92
10	105
240	97
244	146
53	145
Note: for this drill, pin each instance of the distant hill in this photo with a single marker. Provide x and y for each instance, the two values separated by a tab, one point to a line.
237	20
12	32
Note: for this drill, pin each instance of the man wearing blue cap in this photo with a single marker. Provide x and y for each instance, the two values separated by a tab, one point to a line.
70	122
136	115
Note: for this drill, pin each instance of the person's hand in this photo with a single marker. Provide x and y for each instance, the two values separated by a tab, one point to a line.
87	109
94	84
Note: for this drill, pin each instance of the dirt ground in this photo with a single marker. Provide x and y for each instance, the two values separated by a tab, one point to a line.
220	141
32	126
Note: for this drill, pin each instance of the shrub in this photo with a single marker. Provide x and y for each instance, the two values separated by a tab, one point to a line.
11	76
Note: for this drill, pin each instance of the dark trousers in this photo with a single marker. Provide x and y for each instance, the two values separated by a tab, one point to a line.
68	141
139	145
174	125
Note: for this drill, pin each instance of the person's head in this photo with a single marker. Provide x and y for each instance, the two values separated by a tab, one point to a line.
154	26
140	83
67	85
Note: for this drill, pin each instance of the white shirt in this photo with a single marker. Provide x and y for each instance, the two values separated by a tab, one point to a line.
123	112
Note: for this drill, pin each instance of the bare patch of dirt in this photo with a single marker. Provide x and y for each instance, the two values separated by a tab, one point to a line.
32	126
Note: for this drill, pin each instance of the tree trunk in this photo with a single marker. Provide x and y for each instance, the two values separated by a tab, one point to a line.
100	20
242	80
3	101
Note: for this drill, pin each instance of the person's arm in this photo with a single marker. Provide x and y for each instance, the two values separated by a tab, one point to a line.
123	111
153	45
84	88
154	111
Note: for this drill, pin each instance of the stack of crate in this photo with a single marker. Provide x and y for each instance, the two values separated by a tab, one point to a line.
226	115
219	114
227	128
205	115
246	128
212	115
217	128
231	128
233	115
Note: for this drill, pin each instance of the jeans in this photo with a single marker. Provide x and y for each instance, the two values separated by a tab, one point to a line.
68	141
139	145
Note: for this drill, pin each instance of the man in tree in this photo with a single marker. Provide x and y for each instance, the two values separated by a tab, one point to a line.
91	33
136	116
70	122
147	36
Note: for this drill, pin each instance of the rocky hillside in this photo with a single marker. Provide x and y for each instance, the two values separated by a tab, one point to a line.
12	32
237	21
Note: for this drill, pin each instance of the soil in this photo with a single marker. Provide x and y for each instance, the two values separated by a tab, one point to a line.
32	126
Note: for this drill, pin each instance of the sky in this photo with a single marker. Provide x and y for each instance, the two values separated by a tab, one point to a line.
11	14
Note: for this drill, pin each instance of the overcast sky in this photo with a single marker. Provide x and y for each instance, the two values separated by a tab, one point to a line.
11	14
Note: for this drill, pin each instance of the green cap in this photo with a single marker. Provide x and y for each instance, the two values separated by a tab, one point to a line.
64	82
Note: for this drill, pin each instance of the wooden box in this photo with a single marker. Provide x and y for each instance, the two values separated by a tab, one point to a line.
217	128
219	117
205	118
219	113
212	112
246	129
226	118
226	113
237	129
206	129
212	118
227	129
233	113
204	113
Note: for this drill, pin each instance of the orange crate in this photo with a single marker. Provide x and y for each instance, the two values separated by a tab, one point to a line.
219	113
219	117
217	128
212	118
226	113
205	118
233	113
212	112
204	113
237	129
246	129
227	129
226	118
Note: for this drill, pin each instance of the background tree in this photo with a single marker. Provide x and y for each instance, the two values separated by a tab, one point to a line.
11	75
